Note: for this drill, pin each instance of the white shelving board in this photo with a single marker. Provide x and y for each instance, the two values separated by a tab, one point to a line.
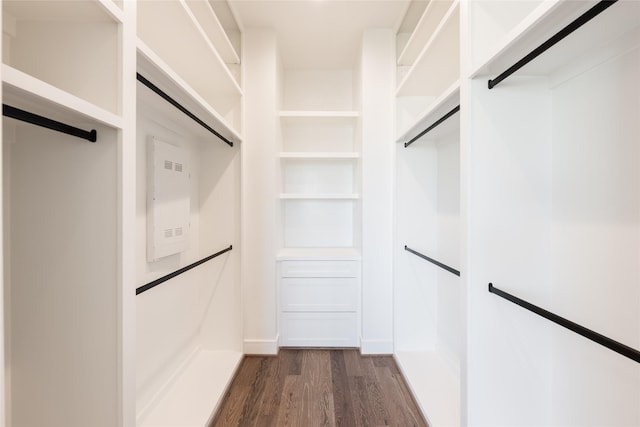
439	59
211	25
319	254
319	155
302	196
152	67
443	104
24	91
426	26
211	77
292	114
112	9
545	21
193	396
434	384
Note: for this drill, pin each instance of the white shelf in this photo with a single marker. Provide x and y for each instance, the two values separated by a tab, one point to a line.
319	155
152	67
194	395
112	9
290	196
211	25
438	64
544	22
24	91
431	17
318	254
55	11
443	104
174	33
434	384
308	114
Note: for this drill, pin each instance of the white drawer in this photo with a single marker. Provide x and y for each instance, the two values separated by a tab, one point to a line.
318	294
319	268
318	330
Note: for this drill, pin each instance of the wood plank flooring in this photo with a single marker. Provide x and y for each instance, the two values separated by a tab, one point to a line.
310	387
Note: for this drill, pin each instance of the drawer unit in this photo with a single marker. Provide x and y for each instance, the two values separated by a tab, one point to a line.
319	303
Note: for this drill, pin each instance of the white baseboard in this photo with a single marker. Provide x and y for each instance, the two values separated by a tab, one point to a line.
376	347
266	347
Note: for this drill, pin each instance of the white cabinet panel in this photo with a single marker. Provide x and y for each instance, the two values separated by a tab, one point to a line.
319	329
319	294
319	269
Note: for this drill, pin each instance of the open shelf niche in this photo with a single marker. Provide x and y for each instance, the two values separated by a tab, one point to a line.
429	322
554	214
320	172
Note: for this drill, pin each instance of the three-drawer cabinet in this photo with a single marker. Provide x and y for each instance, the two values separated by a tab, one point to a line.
319	303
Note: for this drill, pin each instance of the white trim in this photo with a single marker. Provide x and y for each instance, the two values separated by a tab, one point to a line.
266	347
376	346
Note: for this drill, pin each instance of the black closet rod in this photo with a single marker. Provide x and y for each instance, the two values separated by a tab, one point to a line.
176	104
433	261
577	23
34	119
619	348
440	120
169	276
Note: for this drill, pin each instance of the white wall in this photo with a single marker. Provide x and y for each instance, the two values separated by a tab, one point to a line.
596	245
377	77
259	191
509	351
61	286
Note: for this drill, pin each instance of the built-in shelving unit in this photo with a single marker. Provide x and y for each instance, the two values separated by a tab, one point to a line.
62	69
428	300
211	80
554	150
434	73
319	256
189	89
319	165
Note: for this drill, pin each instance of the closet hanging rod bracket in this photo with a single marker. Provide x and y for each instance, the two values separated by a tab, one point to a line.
616	346
433	261
45	122
574	25
433	126
179	106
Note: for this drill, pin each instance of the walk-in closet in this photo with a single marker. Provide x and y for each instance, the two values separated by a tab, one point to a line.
304	208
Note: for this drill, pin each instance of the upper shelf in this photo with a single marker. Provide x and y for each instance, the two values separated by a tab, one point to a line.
210	23
26	92
438	64
426	26
71	46
319	254
543	22
308	114
318	155
152	67
443	104
173	32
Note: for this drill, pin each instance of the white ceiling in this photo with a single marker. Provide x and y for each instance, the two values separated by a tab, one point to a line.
319	33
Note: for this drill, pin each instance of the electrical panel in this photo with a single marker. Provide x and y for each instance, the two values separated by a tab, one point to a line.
168	199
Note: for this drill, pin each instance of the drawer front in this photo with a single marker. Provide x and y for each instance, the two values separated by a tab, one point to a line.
319	268
318	294
318	330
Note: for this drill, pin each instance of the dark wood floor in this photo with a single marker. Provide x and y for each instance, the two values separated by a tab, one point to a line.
304	388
